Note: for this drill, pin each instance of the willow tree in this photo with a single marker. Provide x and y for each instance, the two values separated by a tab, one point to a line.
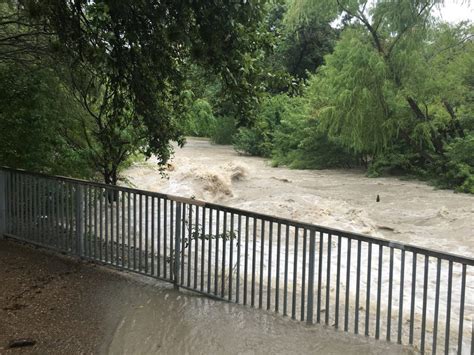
383	85
124	60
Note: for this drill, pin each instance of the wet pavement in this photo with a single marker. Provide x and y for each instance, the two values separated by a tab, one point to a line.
68	306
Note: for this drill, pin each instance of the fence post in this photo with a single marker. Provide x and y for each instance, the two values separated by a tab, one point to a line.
3	200
312	250
177	245
79	204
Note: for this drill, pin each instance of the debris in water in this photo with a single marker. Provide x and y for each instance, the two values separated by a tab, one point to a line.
20	343
391	229
281	179
378	198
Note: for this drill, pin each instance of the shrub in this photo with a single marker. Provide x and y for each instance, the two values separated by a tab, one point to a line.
458	171
200	121
258	139
224	130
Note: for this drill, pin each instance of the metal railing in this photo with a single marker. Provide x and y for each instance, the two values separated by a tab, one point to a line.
365	285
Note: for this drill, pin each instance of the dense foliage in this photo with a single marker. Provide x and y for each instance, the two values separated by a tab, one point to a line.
313	84
34	108
125	63
394	94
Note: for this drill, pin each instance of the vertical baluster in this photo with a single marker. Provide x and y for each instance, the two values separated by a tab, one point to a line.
389	306
172	236
412	308
425	296
52	230
123	228
72	216
436	311
231	254
11	199
448	307
17	204
147	210
472	335
28	207
303	277
367	294
348	281
135	231
79	220
203	245
129	229
196	238
140	231
158	237
216	261
461	310
153	241
94	211
277	281
239	238
119	241
400	299
312	242
295	276
165	236
69	214
34	212
328	280
269	276
91	221
285	286
338	280
35	207
54	219
110	200
191	242
320	276
224	243
24	233
177	244
209	250
20	205
379	294
38	215
13	221
183	240
106	223
262	247
356	315
254	261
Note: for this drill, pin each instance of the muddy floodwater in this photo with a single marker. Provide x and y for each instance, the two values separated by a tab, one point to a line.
65	306
409	211
162	320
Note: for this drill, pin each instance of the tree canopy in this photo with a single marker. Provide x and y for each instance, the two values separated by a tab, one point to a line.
382	85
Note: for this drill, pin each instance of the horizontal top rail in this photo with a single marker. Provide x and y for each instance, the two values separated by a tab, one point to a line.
269	218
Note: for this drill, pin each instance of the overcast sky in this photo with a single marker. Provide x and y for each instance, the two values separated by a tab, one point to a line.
457	10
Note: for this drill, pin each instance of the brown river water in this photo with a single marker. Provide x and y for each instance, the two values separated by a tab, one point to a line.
161	320
409	211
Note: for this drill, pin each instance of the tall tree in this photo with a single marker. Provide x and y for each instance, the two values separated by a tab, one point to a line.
124	61
377	86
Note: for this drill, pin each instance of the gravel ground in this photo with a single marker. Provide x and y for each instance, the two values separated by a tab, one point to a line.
53	300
